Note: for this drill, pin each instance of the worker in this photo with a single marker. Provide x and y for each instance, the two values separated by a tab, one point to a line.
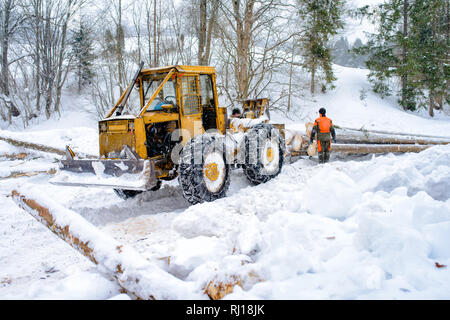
236	113
323	127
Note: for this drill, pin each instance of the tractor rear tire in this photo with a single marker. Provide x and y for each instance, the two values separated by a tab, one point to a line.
262	153
204	174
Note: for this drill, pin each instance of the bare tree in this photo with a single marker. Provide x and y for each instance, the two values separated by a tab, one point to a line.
208	13
252	35
11	20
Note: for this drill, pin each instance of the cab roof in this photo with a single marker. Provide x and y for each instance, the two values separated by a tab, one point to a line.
180	69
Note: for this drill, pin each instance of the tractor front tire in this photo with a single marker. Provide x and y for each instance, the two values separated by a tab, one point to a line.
204	174
262	153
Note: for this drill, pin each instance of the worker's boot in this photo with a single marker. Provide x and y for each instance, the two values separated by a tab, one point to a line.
321	157
326	157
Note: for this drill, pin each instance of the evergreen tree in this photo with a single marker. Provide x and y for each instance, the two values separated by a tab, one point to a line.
339	52
82	47
388	50
322	19
343	55
358	60
430	44
411	44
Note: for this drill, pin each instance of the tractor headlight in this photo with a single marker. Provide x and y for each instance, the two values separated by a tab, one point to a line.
103	127
131	126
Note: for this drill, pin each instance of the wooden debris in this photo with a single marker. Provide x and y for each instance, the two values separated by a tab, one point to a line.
312	149
33	146
18	174
38	147
14	156
216	290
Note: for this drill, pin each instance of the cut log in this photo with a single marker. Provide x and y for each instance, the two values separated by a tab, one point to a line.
309	126
39	147
135	274
376	148
393	133
33	146
312	149
18	174
344	136
14	156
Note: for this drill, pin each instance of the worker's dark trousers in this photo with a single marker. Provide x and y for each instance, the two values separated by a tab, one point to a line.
324	154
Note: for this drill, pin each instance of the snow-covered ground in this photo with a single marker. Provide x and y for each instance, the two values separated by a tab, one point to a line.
372	228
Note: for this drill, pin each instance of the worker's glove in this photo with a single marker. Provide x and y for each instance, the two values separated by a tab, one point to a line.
311	141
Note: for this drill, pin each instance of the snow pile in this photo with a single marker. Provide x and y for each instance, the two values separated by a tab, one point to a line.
343	230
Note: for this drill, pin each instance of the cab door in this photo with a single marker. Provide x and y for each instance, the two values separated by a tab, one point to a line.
191	109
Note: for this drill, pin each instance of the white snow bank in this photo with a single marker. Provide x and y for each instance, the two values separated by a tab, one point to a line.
331	193
342	230
80	286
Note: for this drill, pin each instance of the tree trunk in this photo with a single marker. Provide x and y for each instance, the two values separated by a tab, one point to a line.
313	76
404	77
155	52
62	49
431	105
149	38
244	25
47	60
202	32
291	71
4	47
205	31
37	50
119	47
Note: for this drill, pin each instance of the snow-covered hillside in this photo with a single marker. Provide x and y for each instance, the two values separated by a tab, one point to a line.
369	228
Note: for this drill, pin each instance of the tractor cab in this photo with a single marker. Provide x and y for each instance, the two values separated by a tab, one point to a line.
168	124
164	99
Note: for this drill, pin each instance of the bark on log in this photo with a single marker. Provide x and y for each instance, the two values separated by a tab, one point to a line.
394	133
133	273
376	138
376	148
18	174
33	146
40	147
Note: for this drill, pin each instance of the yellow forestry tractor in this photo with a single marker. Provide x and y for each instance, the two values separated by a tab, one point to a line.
168	124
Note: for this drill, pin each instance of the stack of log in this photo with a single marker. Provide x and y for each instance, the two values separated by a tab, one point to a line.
360	141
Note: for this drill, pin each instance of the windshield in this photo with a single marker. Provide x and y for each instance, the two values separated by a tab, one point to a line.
167	94
150	84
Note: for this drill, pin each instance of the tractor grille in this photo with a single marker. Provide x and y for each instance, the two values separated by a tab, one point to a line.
118	134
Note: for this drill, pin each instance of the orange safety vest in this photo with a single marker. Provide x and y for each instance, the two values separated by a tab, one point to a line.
323	126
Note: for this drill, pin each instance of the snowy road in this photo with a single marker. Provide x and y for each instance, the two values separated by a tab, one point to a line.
344	230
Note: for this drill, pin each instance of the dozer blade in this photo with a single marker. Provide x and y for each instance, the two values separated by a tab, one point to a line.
130	174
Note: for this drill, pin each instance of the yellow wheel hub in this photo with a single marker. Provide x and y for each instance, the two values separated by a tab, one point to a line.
269	154
211	171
